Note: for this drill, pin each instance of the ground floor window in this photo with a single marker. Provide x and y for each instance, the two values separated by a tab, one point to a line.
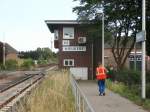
68	62
135	61
138	65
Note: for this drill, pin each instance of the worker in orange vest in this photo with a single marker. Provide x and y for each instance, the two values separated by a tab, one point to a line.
101	76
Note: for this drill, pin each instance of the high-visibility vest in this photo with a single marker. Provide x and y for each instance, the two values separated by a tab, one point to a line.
101	73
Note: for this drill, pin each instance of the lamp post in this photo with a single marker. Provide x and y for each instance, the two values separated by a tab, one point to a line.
4	53
102	16
103	39
4	50
143	51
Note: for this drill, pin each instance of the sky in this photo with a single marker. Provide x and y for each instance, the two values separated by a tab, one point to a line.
22	21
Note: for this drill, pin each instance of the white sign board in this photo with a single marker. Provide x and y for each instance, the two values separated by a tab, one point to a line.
74	48
140	36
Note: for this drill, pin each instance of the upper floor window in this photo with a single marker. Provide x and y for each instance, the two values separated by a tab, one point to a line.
68	33
65	42
56	35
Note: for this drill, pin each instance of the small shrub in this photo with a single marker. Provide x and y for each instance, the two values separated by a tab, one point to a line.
128	77
42	61
11	65
27	64
2	67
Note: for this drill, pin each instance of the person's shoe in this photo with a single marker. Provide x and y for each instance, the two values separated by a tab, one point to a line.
104	94
100	94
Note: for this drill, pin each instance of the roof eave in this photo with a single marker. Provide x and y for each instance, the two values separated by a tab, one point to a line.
52	24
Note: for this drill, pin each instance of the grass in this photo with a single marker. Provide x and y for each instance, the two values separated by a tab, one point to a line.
53	95
131	94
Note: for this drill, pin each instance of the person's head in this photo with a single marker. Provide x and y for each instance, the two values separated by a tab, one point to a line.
100	64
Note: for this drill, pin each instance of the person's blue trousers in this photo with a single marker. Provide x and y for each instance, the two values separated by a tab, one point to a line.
101	85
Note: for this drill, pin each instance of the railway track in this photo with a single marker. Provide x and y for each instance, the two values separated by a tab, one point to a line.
12	90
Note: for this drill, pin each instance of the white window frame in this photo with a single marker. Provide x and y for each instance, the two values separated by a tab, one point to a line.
137	58
69	31
68	62
65	42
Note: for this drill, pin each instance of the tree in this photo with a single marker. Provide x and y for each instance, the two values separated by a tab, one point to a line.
122	19
147	27
40	53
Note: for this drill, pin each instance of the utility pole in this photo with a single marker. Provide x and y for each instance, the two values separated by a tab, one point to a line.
103	63
4	50
143	50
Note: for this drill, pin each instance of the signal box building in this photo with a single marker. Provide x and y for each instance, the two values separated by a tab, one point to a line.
76	52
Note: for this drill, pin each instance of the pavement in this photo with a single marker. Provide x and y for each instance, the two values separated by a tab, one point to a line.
111	102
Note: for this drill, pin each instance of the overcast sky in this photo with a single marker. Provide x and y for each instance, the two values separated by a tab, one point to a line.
22	21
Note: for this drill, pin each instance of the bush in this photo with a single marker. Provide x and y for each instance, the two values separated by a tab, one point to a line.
2	67
148	90
132	79
129	77
42	61
132	94
27	64
11	65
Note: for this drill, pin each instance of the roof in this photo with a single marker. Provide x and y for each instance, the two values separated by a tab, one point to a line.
53	24
109	46
9	48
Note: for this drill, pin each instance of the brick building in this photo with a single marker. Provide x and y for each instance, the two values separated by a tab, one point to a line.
131	61
76	52
10	52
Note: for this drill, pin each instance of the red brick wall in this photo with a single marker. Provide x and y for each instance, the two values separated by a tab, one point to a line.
12	56
81	58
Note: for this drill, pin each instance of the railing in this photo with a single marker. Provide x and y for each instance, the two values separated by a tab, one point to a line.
81	102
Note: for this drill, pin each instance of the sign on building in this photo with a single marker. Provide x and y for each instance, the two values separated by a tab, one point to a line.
74	48
140	36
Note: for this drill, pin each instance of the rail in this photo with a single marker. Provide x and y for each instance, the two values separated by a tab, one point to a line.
81	102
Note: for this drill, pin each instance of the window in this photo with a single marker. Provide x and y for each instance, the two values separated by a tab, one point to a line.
135	60
68	33
65	42
68	62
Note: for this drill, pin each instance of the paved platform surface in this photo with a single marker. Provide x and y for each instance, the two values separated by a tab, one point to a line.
112	102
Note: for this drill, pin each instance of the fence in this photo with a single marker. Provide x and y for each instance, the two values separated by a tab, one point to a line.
81	102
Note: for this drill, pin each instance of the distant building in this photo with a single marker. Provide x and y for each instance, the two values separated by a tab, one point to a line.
10	52
76	52
131	61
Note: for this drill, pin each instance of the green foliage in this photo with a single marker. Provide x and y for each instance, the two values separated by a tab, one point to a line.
44	53
147	27
27	64
11	65
131	80
129	77
122	19
2	67
42	61
131	93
